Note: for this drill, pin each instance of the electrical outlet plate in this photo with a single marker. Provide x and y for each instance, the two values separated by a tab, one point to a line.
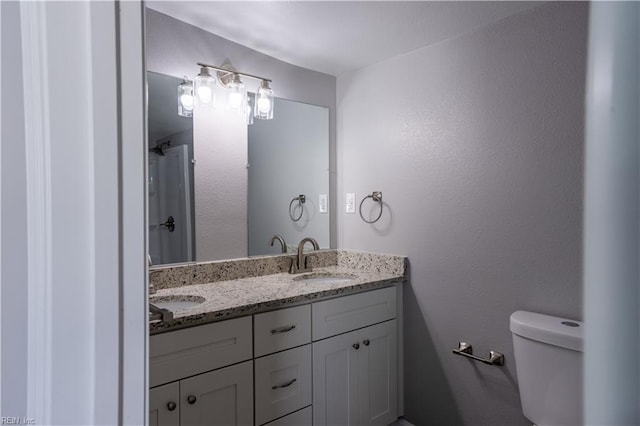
323	203
350	202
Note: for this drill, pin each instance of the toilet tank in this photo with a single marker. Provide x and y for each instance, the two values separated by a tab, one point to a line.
548	357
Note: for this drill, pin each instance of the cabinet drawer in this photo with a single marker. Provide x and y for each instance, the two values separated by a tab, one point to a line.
282	383
343	314
183	353
299	418
283	329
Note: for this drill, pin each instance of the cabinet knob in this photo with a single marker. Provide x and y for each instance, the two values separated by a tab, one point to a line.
171	406
191	399
356	346
366	342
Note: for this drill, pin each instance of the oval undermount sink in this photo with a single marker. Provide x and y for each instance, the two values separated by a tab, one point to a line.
177	302
325	278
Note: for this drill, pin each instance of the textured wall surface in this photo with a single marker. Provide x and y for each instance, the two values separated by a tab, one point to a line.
220	184
477	145
174	47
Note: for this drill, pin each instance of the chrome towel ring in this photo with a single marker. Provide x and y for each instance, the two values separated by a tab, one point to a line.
301	199
377	197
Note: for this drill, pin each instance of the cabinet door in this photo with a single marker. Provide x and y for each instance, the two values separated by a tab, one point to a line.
335	380
164	405
221	397
378	374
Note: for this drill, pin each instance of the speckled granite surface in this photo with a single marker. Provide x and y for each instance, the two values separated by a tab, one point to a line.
224	270
247	286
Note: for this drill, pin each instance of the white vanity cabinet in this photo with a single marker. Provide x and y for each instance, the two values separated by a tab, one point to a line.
355	373
332	362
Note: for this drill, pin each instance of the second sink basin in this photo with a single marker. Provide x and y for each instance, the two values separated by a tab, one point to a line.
176	303
325	278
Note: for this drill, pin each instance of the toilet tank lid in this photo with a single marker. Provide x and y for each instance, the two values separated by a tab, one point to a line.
563	332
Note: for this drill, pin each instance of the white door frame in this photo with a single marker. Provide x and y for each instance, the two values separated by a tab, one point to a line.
86	236
612	215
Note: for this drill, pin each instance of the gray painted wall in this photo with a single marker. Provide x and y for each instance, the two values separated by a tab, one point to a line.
174	47
477	146
14	207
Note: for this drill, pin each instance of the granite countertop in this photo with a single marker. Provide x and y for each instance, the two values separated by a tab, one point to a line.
230	298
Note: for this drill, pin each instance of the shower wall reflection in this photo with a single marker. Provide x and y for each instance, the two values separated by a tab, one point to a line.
170	174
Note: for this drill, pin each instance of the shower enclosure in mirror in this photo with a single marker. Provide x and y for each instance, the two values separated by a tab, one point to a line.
285	158
170	174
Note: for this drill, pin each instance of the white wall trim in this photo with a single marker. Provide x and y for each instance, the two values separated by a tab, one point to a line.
39	220
1	410
106	207
612	216
99	213
134	332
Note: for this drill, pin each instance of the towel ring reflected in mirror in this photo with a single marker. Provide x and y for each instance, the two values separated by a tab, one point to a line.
301	199
376	196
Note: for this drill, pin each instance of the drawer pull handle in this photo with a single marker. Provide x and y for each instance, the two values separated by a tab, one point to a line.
366	342
191	399
286	385
356	346
171	406
283	329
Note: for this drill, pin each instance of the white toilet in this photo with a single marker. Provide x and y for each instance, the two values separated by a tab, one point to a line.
548	356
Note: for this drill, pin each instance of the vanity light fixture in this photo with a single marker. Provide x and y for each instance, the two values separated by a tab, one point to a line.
263	108
205	88
185	98
259	105
236	95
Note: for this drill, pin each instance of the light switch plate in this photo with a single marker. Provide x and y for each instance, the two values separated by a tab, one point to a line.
323	203
351	202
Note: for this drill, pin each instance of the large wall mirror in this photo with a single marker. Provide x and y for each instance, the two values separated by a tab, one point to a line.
193	214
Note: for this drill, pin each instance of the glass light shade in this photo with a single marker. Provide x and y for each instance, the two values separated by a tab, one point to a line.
185	98
205	89
236	95
263	108
251	98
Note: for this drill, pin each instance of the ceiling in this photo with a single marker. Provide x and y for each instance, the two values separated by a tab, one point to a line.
335	37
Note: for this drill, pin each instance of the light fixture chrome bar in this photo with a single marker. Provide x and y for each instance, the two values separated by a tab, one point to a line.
200	64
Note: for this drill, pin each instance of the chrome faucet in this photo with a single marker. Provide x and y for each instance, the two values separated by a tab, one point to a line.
283	244
300	264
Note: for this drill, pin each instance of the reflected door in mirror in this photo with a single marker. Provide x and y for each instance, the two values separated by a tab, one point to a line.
169	206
